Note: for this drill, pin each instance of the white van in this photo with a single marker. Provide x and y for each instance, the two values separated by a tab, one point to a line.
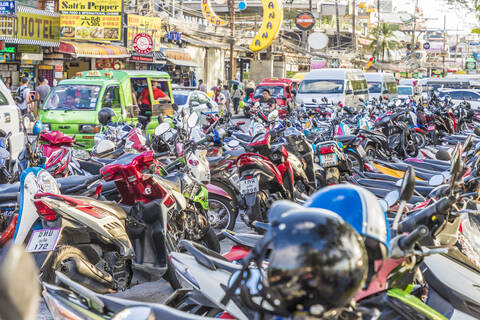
381	84
347	86
10	123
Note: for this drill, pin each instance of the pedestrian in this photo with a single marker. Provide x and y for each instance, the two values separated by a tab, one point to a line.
202	86
8	83
228	98
267	101
219	98
22	97
43	89
236	97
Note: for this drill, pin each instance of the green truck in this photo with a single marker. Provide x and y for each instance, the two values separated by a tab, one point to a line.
73	105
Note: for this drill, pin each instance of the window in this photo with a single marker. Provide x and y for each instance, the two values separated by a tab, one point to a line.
73	97
359	86
405	91
194	98
469	96
375	87
111	97
275	91
180	98
3	100
203	98
391	87
322	86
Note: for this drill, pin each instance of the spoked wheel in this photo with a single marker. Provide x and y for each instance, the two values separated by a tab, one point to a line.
220	214
355	160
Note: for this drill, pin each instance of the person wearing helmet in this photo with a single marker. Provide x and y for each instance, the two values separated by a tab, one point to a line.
317	263
361	209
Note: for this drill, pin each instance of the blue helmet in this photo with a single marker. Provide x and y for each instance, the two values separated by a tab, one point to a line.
37	127
361	209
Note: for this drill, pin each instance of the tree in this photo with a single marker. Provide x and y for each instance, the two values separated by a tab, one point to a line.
469	4
387	42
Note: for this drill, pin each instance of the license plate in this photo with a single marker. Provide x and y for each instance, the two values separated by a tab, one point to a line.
249	186
43	240
361	151
431	127
328	160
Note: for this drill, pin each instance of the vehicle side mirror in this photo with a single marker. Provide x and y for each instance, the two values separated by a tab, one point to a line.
314	100
392	197
175	107
18	271
209	105
436	180
385	92
361	100
408	185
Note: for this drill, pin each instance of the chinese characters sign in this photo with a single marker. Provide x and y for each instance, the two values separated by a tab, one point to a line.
150	25
91	20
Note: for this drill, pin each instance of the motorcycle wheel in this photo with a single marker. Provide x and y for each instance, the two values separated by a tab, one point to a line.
58	262
220	214
355	160
259	210
228	189
420	138
210	240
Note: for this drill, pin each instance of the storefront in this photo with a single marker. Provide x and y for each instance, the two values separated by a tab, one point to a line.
88	56
180	66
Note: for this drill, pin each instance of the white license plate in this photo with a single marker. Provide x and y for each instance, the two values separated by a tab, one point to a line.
328	160
43	240
431	128
249	186
361	151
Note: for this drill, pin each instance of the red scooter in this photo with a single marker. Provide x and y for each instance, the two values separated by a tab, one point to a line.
264	179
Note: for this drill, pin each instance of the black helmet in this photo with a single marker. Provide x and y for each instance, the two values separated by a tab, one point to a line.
318	262
105	115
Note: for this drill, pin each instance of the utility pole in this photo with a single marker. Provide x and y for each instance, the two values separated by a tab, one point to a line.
414	23
378	29
231	5
444	42
180	9
354	40
338	24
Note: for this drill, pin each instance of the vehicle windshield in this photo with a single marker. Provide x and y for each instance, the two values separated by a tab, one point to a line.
374	87
73	97
275	91
321	86
180	98
405	91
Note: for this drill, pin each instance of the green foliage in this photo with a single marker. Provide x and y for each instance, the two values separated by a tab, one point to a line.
387	41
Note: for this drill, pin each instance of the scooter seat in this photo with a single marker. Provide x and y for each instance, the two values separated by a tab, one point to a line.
384	184
345	139
244	239
174	181
208	258
9	192
214	161
234	153
71	181
244	137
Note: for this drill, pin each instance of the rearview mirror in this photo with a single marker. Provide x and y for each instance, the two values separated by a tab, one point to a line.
436	180
18	272
162	128
408	185
192	120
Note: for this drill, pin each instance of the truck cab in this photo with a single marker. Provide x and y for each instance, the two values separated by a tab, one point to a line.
280	89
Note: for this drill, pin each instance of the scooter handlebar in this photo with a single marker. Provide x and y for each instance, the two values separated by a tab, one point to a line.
407	242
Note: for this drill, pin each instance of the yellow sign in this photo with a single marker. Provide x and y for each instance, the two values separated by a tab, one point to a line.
271	23
151	25
90	27
98	20
210	15
31	26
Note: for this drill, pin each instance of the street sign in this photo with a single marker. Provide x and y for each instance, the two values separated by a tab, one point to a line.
7	8
305	21
143	43
426	46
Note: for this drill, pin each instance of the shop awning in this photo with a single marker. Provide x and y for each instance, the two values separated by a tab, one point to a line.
90	50
179	57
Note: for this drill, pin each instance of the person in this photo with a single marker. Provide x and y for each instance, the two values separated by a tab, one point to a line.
267	100
43	89
202	86
237	96
219	98
145	103
228	99
8	83
23	97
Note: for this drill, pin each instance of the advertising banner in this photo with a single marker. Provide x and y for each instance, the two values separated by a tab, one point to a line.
31	26
140	24
98	20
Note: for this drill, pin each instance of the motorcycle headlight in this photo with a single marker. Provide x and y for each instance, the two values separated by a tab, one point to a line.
47	182
81	154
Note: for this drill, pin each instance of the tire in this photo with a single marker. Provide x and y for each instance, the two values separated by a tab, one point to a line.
421	140
370	151
211	241
355	157
225	215
171	275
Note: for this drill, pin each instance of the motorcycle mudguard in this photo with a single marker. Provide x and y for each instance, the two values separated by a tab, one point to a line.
218	191
250	199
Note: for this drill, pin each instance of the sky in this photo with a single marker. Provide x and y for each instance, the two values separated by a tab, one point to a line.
457	18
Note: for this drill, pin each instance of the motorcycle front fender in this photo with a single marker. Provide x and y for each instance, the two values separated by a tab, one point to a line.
218	191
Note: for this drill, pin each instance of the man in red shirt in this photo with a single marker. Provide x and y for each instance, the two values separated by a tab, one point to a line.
145	103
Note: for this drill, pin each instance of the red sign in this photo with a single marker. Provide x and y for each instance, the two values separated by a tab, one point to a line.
141	58
305	21
143	43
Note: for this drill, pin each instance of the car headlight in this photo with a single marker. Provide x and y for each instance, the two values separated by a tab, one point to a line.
47	182
88	128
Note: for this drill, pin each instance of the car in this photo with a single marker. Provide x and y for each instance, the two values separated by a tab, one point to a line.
381	84
10	123
460	95
196	99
